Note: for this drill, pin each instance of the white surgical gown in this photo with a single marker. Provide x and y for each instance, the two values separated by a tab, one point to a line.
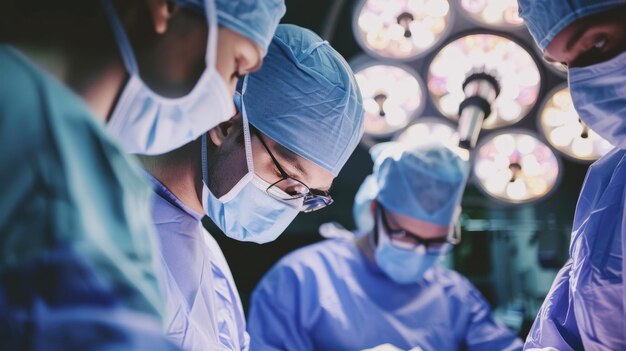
203	308
329	296
584	309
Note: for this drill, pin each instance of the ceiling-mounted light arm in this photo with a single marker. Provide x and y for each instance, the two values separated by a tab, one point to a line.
515	169
404	20
481	90
380	100
584	133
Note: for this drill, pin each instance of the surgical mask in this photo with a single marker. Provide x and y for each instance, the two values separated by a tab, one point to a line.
147	123
599	95
247	212
401	265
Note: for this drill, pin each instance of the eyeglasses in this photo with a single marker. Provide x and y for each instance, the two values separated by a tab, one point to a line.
406	240
288	188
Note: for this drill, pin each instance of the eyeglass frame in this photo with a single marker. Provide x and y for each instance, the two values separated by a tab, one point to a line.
311	195
447	243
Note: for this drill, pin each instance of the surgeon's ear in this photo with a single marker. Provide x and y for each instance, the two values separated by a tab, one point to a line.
161	11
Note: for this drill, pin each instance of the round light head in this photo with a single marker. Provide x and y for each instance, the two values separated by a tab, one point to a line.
429	130
392	95
512	66
502	14
516	167
564	130
400	29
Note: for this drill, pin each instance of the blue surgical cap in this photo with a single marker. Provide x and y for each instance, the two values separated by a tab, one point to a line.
547	18
254	19
305	98
424	182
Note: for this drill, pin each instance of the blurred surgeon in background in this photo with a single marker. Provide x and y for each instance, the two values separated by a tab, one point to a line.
76	240
585	306
385	287
300	118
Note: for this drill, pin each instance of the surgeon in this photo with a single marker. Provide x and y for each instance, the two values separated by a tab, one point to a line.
385	288
76	240
585	306
300	117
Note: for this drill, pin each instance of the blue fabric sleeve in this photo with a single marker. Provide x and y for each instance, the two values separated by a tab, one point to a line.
623	226
555	325
484	332
274	322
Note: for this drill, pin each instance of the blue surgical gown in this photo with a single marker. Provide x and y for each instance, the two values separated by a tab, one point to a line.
584	309
203	308
76	239
329	296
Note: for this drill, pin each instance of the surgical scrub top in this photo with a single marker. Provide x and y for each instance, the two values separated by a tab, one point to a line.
330	296
584	309
203	308
75	228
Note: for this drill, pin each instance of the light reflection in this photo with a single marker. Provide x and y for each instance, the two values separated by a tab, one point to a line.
566	132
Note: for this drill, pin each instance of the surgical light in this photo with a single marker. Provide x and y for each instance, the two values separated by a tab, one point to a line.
400	29
564	130
493	13
499	60
429	130
392	96
516	167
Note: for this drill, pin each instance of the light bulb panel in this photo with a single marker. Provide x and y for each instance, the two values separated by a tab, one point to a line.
500	14
560	124
392	95
516	72
516	167
401	29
